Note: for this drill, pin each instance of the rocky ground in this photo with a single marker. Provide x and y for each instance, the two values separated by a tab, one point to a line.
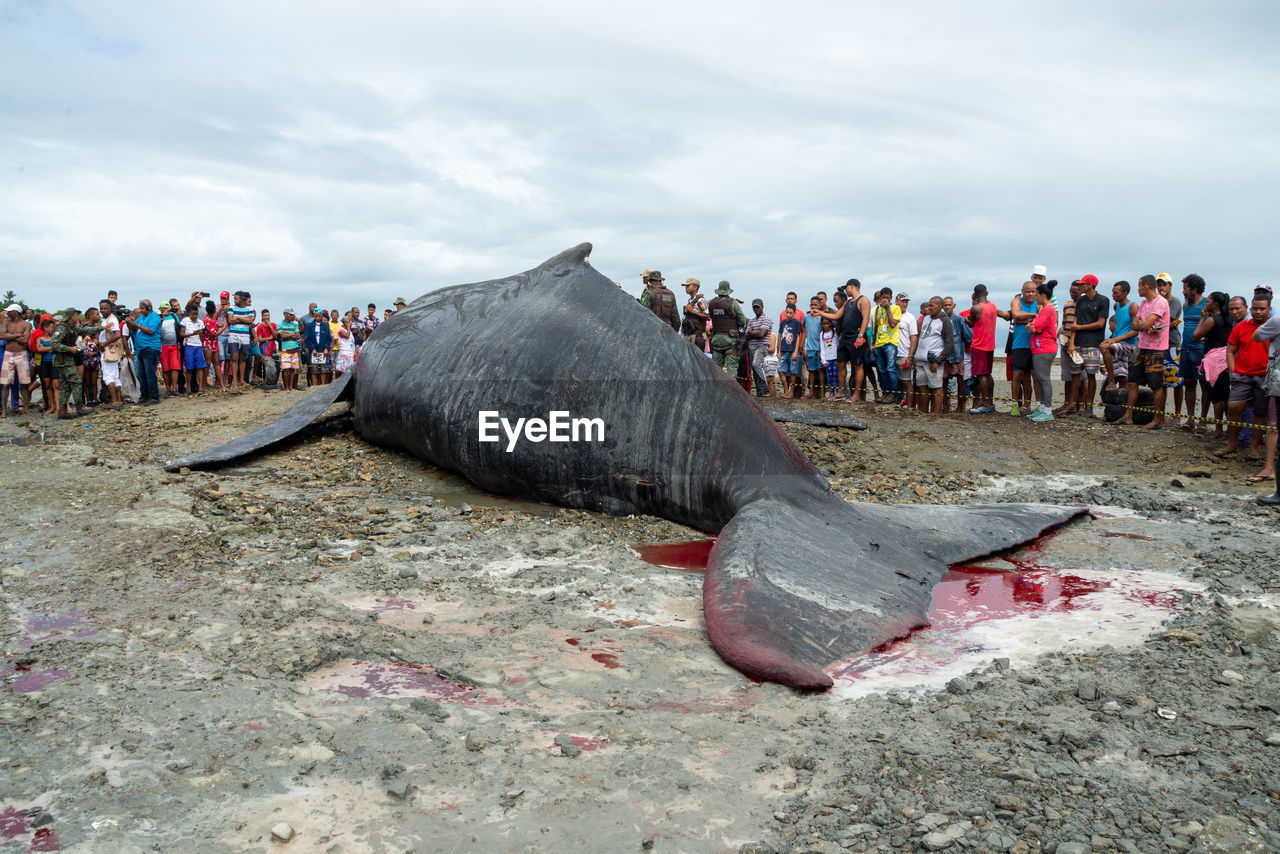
337	648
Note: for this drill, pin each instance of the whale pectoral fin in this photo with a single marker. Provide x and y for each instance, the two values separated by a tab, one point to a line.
299	416
790	591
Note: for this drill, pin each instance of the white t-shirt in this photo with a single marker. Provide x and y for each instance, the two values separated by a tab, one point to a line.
110	326
189	325
828	346
906	328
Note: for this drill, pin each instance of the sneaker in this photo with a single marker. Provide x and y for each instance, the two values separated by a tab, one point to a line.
1032	411
1040	415
1016	411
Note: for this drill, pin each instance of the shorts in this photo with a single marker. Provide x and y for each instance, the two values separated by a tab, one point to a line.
1092	359
237	348
814	359
1172	369
1020	359
47	370
321	364
288	360
170	358
223	355
847	352
15	365
697	340
1189	363
968	367
1068	367
789	365
1148	369
193	358
929	375
982	360
1249	388
110	372
1121	355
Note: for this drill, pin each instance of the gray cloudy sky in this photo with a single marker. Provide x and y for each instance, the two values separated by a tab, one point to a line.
356	152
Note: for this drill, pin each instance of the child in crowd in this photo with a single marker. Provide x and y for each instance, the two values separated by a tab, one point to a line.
827	352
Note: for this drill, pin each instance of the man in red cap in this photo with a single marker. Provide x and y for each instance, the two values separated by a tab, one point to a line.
1087	332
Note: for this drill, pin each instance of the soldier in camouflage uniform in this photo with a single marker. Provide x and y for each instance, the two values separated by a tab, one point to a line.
727	325
63	342
660	300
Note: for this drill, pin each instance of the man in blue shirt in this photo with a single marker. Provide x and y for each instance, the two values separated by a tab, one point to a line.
145	324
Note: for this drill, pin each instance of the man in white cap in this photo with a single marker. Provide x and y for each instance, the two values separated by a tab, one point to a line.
16	364
1038	274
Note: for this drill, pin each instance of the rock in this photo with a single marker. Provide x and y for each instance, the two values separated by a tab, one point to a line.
1087	689
1197	471
474	742
757	848
959	686
1178	482
1073	848
1228	677
1228	833
1009	802
1191	828
572	751
282	832
563	738
1273	739
408	572
940	839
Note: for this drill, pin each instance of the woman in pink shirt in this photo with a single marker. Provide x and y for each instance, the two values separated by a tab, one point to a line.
1044	344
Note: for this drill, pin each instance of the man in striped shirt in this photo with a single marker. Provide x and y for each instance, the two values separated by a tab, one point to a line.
759	330
239	337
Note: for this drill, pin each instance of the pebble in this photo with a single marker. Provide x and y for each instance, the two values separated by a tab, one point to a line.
1273	739
408	572
1087	689
572	751
1228	677
940	839
474	742
1073	848
959	686
282	832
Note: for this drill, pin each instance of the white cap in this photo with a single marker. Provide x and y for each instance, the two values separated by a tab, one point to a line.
14	307
1039	270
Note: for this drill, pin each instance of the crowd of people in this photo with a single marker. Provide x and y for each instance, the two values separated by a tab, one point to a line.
1185	344
109	353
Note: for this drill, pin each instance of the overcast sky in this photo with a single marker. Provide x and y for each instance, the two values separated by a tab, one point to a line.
351	153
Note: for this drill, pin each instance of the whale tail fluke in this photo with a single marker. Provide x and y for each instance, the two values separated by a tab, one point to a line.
791	590
293	421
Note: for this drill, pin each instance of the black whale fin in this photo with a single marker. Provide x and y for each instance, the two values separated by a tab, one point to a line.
792	590
814	417
299	416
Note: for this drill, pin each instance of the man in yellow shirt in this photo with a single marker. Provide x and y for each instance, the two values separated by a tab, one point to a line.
885	344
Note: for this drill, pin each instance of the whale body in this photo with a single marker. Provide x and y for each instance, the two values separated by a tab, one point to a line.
798	580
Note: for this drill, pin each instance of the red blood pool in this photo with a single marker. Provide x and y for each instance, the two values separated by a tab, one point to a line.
687	557
44	839
41	623
396	680
608	659
970	595
36	680
572	641
13	822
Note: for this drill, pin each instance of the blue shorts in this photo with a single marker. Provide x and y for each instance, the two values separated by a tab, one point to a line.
814	359
1189	364
789	364
193	358
223	355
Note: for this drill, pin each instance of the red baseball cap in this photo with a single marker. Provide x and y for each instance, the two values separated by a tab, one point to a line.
1087	279
225	294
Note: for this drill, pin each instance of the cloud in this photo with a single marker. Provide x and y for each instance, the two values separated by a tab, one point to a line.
308	150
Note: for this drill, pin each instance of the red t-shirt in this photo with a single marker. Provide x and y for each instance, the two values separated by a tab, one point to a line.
266	335
1251	356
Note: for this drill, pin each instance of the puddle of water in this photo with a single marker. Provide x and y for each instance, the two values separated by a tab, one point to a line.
978	614
686	557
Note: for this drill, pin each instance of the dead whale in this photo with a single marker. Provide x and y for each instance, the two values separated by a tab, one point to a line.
557	386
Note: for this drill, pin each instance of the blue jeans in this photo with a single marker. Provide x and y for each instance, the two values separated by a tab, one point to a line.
887	366
147	362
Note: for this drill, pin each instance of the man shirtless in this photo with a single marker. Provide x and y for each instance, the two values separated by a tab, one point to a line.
16	365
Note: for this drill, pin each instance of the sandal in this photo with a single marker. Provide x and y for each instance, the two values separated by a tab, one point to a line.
1258	478
1226	453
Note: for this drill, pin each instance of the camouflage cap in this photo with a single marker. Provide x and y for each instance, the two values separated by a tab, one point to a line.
723	288
655	276
399	301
